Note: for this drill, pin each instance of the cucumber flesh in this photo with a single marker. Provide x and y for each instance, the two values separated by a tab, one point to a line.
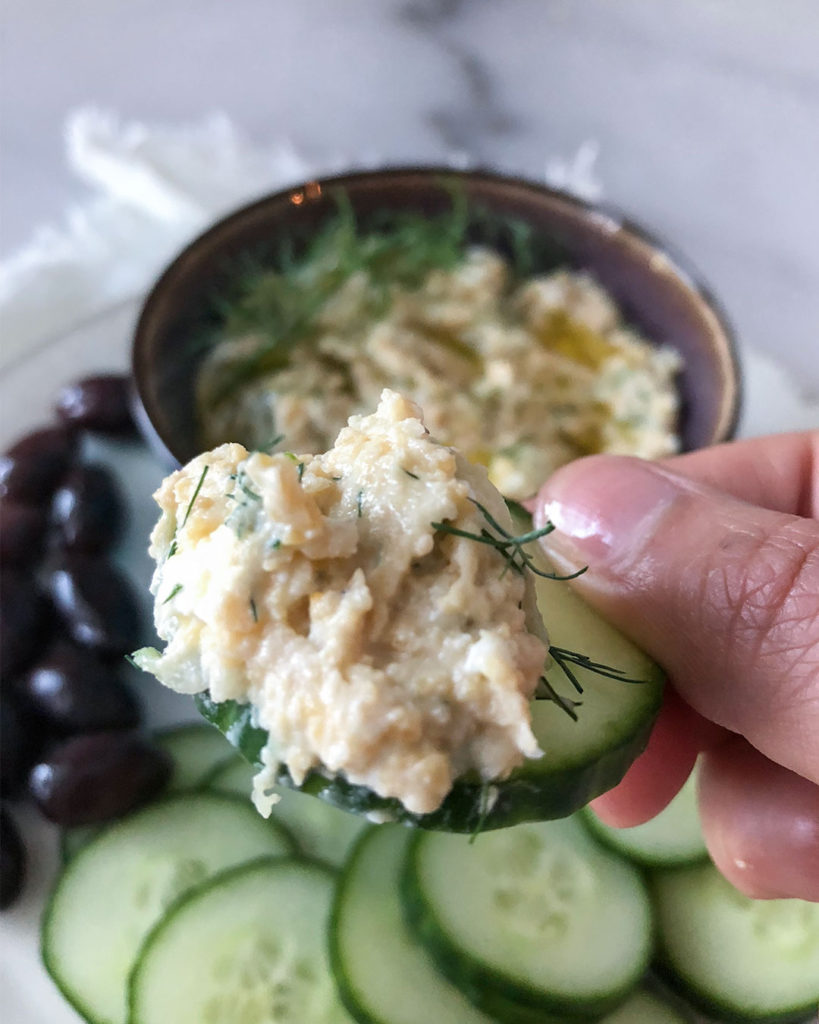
321	831
738	958
582	759
672	838
646	1008
538	916
248	946
112	892
384	975
197	750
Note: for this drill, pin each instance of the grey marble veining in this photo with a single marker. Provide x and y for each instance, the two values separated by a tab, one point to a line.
706	112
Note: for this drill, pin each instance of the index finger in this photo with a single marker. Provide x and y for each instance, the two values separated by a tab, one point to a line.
779	473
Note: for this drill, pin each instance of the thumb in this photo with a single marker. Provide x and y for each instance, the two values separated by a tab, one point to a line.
723	594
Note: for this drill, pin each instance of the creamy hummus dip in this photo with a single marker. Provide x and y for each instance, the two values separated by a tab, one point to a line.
369	642
521	376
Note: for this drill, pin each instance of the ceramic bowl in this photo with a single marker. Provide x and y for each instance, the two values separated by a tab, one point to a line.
655	288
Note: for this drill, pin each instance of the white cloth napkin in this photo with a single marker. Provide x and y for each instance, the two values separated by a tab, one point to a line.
154	188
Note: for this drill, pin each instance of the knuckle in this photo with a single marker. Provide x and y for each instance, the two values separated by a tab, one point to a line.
765	586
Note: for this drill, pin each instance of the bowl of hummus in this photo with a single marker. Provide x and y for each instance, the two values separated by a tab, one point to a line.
532	328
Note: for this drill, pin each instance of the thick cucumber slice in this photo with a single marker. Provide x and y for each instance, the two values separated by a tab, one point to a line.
321	831
582	759
248	946
646	1008
738	958
383	974
113	890
673	838
197	750
538	917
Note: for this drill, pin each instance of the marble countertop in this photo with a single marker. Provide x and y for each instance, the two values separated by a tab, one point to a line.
704	112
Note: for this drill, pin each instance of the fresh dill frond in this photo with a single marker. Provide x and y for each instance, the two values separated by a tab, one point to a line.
173	593
565	659
277	297
545	691
410	473
511	547
195	495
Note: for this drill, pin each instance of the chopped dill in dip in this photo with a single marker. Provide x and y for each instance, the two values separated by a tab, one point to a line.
344	597
521	373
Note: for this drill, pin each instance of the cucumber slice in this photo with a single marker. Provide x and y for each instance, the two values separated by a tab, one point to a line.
72	840
197	750
322	832
738	958
646	1008
672	838
247	946
538	917
113	890
383	974
582	759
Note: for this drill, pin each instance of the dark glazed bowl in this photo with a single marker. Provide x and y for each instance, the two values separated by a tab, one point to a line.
655	289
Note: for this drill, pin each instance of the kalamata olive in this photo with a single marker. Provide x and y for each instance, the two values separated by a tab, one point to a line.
76	692
21	533
87	509
93	778
98	403
20	746
32	468
25	623
12	860
96	603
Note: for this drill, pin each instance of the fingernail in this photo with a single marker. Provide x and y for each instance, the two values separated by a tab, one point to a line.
603	508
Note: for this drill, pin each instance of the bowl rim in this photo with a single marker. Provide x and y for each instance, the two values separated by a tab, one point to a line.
604	215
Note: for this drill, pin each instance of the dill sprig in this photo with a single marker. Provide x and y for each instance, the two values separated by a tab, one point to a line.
511	547
567	661
195	495
518	559
276	293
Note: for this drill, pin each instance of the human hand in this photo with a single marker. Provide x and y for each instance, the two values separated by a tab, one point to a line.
710	562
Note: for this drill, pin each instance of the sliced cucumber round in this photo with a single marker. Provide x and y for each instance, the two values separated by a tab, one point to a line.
645	1007
114	889
249	945
322	832
672	838
196	750
738	958
384	975
581	760
537	919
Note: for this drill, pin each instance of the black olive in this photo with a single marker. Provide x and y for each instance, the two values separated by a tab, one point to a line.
25	622
20	743
97	604
34	465
87	509
22	528
94	778
72	690
100	403
12	860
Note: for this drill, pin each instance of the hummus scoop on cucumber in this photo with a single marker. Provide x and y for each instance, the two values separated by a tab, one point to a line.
376	626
